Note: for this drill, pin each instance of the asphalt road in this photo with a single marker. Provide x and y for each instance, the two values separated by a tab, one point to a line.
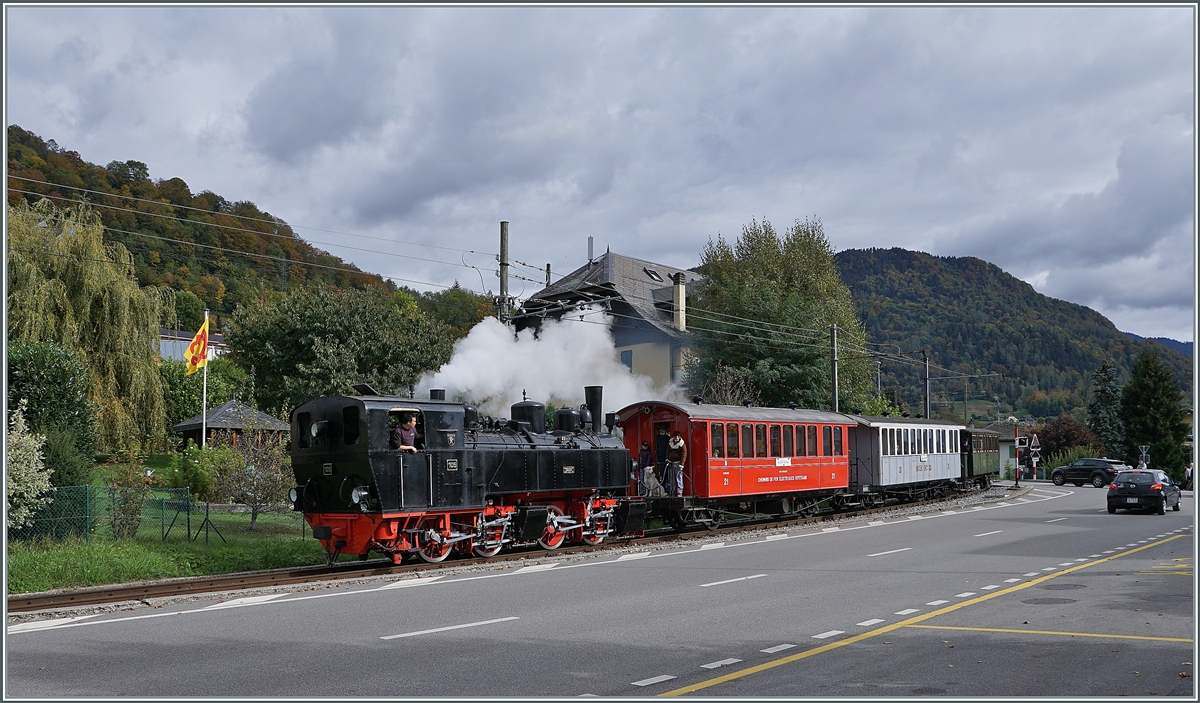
1042	595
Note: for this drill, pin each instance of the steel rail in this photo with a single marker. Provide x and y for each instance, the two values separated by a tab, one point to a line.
143	592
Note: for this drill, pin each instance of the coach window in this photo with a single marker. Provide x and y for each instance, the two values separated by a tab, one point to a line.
812	440
906	444
800	446
747	440
892	441
718	440
776	441
826	440
731	440
760	440
837	441
787	440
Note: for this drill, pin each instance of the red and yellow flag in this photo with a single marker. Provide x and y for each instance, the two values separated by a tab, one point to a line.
197	351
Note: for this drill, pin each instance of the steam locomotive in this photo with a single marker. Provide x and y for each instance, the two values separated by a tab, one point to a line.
474	486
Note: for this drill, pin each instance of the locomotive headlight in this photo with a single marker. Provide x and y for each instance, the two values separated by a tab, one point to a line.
359	494
293	495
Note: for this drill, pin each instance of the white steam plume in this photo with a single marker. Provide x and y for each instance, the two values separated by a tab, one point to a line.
490	368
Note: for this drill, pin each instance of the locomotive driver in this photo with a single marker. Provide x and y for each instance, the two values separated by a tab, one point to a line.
404	437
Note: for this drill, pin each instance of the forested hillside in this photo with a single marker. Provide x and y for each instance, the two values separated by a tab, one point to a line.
161	221
974	317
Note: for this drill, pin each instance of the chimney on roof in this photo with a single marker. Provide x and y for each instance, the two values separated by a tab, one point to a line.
589	252
680	300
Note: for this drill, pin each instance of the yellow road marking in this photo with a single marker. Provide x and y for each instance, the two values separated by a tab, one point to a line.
1050	632
733	676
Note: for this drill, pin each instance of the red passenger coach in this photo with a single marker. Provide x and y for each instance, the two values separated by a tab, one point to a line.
742	460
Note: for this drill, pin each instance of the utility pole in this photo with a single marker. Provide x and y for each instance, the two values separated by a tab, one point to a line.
928	405
833	363
502	304
965	418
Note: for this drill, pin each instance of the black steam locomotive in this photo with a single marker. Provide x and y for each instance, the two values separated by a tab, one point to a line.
474	485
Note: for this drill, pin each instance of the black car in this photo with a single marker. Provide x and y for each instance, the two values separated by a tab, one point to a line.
1143	489
1098	472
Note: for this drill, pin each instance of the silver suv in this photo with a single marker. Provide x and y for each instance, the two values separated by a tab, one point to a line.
1098	472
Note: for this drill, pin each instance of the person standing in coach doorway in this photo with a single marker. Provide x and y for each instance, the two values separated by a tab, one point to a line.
676	456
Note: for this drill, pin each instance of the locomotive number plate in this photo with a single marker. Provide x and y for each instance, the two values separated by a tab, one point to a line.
327	469
452	464
568	469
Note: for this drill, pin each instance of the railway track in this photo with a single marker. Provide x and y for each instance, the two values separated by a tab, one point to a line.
123	593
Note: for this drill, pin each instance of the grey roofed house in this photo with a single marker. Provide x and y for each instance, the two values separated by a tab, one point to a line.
231	416
647	322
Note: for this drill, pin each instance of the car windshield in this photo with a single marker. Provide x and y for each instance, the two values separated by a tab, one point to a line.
1135	478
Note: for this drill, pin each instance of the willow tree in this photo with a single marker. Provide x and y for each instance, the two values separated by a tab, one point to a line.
764	315
67	286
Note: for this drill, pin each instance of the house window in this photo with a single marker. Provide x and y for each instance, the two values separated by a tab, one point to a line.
627	359
653	274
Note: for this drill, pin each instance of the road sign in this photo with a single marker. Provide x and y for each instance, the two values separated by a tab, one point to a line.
1033	442
1145	450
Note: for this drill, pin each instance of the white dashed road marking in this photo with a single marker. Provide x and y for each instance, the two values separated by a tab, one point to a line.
776	648
1011	580
937	602
653	680
1057	519
635	555
831	633
744	578
451	627
868	623
907	611
718	665
894	551
994	532
964	595
989	588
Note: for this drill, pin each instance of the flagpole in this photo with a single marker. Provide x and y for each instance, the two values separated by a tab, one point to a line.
204	394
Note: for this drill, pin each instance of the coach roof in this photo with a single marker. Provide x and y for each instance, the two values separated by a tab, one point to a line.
737	413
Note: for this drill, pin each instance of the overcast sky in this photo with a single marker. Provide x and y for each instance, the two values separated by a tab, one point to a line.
1057	143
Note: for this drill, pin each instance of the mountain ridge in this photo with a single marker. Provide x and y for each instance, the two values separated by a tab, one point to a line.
975	318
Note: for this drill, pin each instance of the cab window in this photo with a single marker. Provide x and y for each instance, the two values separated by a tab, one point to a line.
304	426
718	440
350	429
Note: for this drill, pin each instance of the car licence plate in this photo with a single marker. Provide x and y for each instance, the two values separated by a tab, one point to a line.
1131	500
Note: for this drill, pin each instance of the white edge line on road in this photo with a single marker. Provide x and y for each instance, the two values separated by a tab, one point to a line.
994	532
409	583
449	627
1057	519
894	551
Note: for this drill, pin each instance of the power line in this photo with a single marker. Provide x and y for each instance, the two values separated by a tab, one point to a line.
251	231
243	217
268	256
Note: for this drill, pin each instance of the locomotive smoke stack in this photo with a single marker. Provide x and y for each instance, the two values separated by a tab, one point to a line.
437	393
594	397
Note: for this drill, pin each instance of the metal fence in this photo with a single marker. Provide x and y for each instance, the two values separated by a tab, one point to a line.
168	514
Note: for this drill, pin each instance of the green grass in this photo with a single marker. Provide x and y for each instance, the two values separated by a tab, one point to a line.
41	566
275	542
